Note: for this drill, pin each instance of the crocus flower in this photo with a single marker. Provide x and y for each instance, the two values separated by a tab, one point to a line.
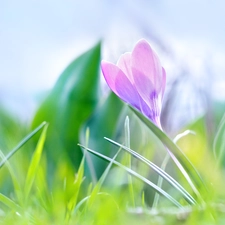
138	79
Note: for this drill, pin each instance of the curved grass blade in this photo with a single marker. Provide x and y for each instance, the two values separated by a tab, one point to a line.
135	174
27	138
98	186
160	180
183	134
8	202
88	159
176	154
77	188
33	167
164	164
158	170
127	143
16	185
81	202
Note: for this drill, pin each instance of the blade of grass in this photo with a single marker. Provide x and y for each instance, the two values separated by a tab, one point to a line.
88	158
27	138
132	172
77	185
33	167
16	185
98	186
158	170
43	191
78	181
160	181
81	202
11	204
127	132
176	154
127	143
164	164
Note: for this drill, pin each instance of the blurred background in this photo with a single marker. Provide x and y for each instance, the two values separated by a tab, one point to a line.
38	39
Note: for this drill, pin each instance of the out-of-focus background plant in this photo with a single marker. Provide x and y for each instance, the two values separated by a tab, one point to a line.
50	57
38	39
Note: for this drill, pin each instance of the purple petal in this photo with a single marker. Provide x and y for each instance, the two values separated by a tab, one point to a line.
146	62
144	87
120	84
152	113
138	79
163	81
124	63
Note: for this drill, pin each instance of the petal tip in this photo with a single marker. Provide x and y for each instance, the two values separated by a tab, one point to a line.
142	42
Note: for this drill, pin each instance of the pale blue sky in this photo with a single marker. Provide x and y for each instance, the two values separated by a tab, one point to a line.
38	38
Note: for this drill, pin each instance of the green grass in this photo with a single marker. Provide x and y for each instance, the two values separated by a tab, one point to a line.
97	161
69	200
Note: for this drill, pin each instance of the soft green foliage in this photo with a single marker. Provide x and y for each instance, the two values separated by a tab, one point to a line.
11	130
158	170
69	104
97	161
180	158
135	174
27	138
219	142
102	123
35	161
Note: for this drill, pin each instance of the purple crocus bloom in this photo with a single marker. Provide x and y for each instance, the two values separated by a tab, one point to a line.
138	79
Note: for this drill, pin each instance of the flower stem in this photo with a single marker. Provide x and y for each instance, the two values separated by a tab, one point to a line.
127	144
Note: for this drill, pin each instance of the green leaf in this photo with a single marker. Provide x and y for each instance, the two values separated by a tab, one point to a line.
35	161
69	104
104	122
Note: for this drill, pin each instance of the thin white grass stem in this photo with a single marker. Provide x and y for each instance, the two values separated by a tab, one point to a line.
176	151
185	174
160	181
132	172
164	164
158	170
88	158
127	143
27	138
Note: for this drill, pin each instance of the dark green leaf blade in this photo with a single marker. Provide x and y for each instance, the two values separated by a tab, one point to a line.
104	122
69	104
